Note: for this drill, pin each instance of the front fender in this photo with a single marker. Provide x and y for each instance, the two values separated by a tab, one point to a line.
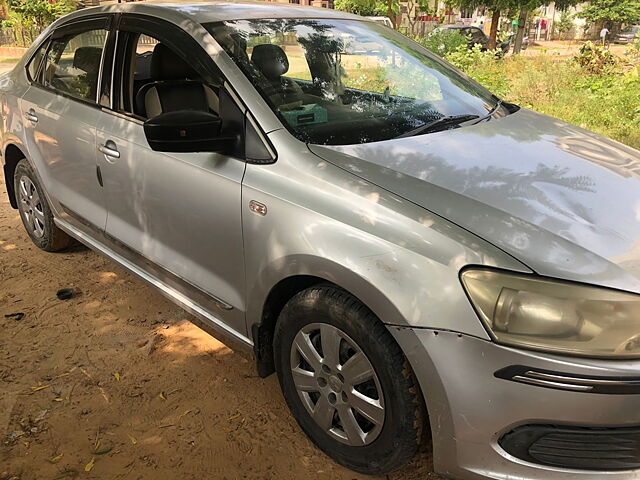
397	258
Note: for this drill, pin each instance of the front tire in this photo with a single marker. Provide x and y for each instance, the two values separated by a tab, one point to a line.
347	381
35	212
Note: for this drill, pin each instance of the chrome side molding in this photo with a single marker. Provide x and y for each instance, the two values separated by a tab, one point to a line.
207	321
565	381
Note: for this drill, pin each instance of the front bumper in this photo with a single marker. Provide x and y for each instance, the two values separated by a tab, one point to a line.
471	409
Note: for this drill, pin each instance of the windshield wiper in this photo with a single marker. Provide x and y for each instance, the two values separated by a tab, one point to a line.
439	123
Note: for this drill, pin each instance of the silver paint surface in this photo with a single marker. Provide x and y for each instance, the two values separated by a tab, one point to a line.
562	200
391	222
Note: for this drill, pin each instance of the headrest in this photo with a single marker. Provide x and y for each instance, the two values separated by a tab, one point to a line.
271	60
88	59
166	65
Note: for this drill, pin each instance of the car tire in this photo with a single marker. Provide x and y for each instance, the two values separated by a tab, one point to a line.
35	212
363	366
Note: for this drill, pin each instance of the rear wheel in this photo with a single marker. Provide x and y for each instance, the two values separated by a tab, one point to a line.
35	212
347	382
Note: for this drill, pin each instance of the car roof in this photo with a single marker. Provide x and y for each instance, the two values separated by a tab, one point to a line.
220	11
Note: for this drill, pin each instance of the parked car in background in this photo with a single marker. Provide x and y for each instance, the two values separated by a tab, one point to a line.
510	41
381	20
402	247
477	36
627	35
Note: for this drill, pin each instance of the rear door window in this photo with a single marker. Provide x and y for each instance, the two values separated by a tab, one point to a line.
72	64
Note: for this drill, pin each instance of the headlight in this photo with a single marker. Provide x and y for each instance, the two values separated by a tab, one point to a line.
533	312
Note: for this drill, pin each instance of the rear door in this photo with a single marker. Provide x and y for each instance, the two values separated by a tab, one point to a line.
60	111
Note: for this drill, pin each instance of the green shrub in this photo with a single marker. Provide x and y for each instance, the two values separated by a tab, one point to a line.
483	66
633	52
596	59
606	102
443	42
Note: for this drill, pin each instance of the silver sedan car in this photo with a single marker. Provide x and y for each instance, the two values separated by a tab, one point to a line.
408	252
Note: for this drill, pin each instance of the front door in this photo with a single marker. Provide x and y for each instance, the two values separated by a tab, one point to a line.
60	114
179	213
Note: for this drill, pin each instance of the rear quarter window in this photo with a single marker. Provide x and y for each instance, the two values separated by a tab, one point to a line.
33	67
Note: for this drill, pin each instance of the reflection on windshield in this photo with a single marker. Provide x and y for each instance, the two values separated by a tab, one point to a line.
337	82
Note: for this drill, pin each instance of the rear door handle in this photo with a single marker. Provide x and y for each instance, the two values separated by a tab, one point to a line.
109	149
31	116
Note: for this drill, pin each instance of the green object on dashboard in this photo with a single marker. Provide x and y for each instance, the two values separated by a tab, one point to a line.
304	114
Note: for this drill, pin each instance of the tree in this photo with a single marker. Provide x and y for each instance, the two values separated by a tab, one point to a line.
612	11
29	17
496	7
370	7
40	12
522	22
565	24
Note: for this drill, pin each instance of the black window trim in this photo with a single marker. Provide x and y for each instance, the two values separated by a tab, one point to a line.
44	44
103	21
148	25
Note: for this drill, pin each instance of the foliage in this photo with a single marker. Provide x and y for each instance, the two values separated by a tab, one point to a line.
564	24
368	7
596	59
27	18
443	42
37	13
607	103
615	11
483	66
633	52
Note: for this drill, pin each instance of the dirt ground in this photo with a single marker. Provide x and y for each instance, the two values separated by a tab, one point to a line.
117	383
567	48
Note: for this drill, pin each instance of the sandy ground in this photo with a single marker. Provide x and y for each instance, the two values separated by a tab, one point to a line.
116	383
568	48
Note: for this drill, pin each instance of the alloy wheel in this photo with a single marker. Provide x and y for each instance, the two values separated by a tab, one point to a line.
31	207
337	384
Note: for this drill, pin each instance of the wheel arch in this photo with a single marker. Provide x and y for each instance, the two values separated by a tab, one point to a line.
12	155
264	308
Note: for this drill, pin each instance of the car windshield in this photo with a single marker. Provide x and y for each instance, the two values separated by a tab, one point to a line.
336	82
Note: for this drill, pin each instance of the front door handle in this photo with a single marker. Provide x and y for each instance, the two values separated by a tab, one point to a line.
109	149
31	116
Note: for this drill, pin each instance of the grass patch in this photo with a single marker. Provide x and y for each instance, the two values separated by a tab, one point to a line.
607	102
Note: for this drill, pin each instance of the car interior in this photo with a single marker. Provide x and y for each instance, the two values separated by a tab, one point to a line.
163	81
76	75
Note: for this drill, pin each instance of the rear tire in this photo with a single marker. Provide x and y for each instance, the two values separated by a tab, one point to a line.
35	212
347	382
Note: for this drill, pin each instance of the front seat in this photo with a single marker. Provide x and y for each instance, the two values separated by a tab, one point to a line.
173	87
273	64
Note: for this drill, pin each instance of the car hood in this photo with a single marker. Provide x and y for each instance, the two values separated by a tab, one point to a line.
562	200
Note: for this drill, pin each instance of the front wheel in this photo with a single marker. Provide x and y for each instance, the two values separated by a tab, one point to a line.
347	382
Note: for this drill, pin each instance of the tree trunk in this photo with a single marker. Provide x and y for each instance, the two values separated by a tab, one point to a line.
493	33
522	23
390	14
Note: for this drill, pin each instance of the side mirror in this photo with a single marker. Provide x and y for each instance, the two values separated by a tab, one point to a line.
188	131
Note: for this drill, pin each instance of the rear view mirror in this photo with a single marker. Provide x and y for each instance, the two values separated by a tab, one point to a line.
187	131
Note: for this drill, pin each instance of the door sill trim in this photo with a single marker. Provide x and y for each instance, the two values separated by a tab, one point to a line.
208	321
